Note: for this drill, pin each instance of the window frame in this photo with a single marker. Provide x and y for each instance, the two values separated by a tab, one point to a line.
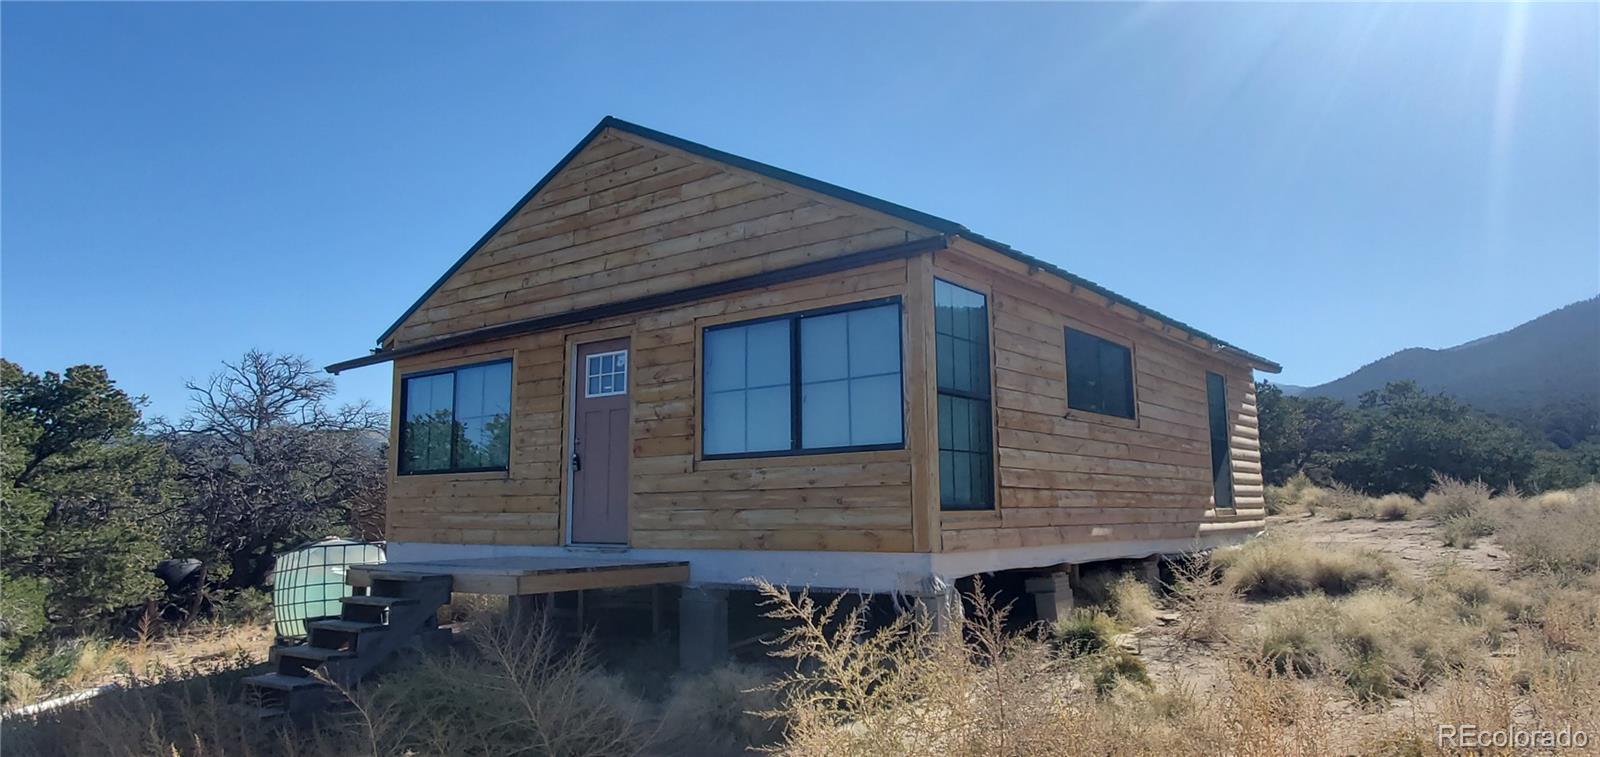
400	425
626	366
796	421
960	282
1132	380
1225	465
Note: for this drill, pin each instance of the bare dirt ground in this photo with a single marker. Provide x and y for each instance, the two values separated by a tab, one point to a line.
1414	544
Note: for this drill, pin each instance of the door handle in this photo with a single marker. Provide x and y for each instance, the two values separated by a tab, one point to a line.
577	463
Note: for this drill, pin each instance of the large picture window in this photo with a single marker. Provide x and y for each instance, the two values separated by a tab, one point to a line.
961	336
456	420
821	381
1099	375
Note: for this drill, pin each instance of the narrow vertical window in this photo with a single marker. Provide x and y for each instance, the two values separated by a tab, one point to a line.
1221	468
961	338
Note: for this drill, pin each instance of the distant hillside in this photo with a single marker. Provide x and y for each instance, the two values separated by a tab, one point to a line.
1552	359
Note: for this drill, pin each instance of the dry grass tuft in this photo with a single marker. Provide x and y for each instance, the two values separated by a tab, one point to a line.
1084	632
1556	533
1270	567
1450	498
1379	643
1395	507
1207	607
718	712
1131	602
1342	503
1463	531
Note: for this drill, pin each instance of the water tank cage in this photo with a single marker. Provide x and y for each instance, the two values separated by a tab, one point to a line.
308	581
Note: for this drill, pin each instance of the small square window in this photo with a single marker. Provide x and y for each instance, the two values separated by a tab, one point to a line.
1099	375
606	374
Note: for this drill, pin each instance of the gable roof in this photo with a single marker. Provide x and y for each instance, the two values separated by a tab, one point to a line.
943	226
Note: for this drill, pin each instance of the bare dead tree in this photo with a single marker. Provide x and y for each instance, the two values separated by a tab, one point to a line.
264	463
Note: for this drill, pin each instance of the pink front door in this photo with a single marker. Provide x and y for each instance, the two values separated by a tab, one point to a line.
599	460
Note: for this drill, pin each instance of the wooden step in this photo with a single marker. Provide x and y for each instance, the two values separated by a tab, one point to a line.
251	712
308	652
370	601
344	626
399	575
280	682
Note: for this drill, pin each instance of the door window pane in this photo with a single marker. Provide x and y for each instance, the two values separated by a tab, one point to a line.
606	374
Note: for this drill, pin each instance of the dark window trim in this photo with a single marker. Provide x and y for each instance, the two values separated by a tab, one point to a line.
796	432
993	505
400	441
1218	485
1133	398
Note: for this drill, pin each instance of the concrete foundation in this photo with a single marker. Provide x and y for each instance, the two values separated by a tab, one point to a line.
942	604
702	628
1148	571
1052	595
872	572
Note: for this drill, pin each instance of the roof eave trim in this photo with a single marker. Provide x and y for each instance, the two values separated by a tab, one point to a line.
796	272
1256	361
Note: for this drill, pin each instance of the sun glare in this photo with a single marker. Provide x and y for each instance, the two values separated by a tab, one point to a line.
1508	84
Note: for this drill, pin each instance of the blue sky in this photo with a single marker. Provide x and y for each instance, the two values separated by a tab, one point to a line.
1320	184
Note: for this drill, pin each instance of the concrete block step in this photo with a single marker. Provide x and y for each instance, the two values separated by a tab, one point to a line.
281	682
251	712
405	577
370	601
345	626
308	652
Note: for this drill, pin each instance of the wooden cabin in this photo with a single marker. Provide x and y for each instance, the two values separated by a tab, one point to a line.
664	352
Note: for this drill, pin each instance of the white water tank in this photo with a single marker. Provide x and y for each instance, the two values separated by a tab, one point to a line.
308	581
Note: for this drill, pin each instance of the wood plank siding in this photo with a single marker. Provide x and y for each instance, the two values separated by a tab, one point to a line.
624	219
1067	476
630	217
627	218
848	501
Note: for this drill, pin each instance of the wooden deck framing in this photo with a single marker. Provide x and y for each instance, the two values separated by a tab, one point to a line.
513	576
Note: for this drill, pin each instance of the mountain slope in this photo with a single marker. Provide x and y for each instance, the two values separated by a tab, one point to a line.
1552	359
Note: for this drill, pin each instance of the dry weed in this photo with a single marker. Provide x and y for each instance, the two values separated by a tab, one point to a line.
1452	498
1271	567
1207	607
